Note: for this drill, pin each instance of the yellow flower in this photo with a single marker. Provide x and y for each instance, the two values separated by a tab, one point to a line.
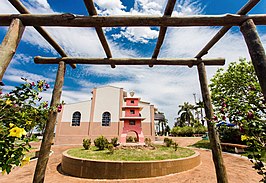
8	102
17	132
28	122
3	172
244	137
11	125
25	161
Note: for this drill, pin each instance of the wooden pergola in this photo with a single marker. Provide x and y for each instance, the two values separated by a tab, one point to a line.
247	23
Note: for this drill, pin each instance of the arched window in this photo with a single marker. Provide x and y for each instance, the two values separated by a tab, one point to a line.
106	118
76	118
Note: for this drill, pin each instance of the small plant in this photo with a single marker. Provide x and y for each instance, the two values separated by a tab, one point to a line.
114	142
101	142
148	141
175	146
136	139
86	143
111	149
168	142
130	139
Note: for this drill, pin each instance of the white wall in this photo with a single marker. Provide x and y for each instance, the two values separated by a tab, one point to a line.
145	112
107	100
83	107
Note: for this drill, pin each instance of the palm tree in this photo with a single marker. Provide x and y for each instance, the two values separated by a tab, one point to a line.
186	114
200	105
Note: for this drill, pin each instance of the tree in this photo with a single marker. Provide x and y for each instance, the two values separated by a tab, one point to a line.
20	111
200	105
237	97
186	114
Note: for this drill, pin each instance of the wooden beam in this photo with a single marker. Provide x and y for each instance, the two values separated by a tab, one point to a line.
49	128
130	61
10	44
70	20
168	12
244	10
256	52
23	10
92	11
221	175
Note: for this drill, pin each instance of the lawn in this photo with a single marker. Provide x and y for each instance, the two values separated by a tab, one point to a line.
132	154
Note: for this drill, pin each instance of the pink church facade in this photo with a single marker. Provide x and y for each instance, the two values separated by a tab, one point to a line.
111	113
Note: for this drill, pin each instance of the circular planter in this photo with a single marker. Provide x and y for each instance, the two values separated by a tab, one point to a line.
102	169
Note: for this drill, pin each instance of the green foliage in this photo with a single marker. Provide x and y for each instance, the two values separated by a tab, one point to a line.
168	142
175	146
237	96
186	115
20	110
86	143
114	141
147	141
111	149
230	135
101	142
188	131
130	139
202	144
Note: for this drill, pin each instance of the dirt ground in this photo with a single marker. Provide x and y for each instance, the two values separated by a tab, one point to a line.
238	170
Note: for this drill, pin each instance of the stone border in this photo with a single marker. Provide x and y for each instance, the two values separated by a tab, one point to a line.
101	169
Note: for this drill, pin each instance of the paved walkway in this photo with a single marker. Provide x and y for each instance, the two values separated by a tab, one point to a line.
238	169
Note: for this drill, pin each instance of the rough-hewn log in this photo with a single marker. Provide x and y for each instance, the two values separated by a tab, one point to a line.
256	52
130	61
70	20
10	44
92	11
49	128
23	10
168	12
221	175
244	10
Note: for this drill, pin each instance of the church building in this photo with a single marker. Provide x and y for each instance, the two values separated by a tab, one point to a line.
111	112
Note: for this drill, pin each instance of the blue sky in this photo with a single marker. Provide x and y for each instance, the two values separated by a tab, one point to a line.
166	87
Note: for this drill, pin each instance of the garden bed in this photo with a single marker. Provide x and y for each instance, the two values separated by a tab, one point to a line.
128	163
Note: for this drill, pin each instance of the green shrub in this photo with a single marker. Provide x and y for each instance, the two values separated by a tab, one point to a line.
230	135
130	139
101	142
114	141
86	143
168	142
175	146
200	129
111	149
147	141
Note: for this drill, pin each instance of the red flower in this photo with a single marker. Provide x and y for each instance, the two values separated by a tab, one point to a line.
250	115
223	118
47	85
59	108
215	118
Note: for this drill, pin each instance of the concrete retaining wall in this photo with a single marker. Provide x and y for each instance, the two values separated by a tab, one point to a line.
98	169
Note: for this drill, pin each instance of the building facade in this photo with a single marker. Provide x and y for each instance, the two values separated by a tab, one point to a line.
105	114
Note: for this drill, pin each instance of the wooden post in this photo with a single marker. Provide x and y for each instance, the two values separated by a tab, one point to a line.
10	44
49	128
221	175
256	52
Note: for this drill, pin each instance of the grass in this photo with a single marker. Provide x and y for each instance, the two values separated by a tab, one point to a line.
160	153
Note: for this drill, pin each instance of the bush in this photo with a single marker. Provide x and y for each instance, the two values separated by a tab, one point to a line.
136	139
200	130
101	142
111	149
147	141
114	142
168	142
175	146
86	143
230	135
130	139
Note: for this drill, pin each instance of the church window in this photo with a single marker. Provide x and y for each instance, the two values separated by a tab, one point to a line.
76	118
106	118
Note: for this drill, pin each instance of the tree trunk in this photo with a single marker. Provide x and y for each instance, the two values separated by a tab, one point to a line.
221	175
49	128
256	52
10	44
